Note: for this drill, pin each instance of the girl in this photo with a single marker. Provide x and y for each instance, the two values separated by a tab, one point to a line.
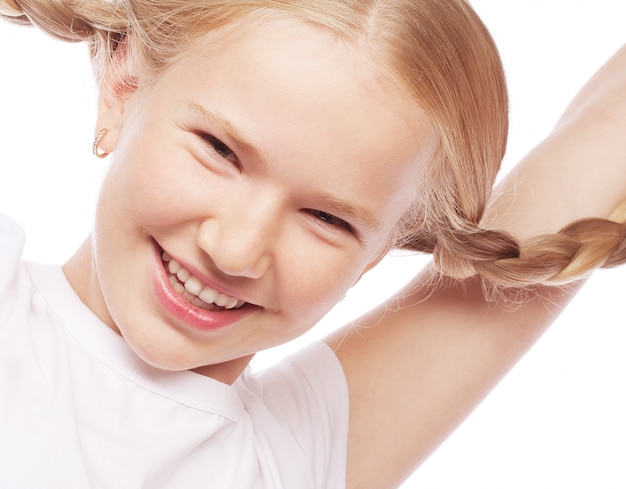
261	163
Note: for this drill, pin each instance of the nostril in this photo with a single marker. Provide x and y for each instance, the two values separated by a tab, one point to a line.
236	249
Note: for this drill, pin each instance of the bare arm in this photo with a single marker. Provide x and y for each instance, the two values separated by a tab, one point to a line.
419	364
579	170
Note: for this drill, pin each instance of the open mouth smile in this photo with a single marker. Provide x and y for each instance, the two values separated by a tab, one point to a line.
190	287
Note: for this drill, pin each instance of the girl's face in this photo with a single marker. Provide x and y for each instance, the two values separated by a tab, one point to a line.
267	174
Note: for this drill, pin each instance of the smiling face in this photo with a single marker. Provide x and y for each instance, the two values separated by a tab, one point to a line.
264	178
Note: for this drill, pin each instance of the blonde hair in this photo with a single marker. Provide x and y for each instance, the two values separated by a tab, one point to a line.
439	51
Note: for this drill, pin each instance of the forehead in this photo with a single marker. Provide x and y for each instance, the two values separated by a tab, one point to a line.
313	47
300	96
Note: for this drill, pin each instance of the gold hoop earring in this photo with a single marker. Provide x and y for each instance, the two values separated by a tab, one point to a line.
96	142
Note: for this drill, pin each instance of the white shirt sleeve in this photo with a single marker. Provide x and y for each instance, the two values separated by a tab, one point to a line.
307	393
11	246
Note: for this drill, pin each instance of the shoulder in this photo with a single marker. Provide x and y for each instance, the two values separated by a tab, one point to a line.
11	246
11	235
300	407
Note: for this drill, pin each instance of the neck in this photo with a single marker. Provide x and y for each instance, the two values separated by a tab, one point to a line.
226	372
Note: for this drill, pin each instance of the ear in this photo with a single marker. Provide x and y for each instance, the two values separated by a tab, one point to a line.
117	86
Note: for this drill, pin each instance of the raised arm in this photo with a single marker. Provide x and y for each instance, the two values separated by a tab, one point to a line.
579	170
419	364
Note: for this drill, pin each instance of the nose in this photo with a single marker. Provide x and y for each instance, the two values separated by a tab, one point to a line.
239	237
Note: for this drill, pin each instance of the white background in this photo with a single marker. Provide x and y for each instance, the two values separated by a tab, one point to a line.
557	421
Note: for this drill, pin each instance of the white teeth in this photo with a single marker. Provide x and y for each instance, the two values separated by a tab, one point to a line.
183	275
192	289
208	295
176	284
197	302
193	285
173	266
188	296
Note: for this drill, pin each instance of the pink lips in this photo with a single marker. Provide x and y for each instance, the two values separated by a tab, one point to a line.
179	308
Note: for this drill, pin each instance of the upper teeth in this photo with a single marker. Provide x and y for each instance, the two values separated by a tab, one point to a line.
193	290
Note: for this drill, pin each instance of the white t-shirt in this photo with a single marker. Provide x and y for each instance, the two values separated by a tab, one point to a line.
79	410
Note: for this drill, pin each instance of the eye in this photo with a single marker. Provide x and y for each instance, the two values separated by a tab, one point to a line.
218	148
331	220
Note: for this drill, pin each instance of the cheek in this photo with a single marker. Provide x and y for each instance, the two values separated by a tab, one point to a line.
144	184
314	277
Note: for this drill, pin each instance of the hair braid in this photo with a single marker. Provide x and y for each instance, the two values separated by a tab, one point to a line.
551	259
100	23
11	10
69	20
460	253
439	51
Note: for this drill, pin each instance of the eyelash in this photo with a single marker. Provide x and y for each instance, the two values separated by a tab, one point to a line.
222	151
218	148
331	220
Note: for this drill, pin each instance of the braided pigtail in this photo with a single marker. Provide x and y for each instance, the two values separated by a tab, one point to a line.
100	23
438	50
463	91
578	248
12	11
551	259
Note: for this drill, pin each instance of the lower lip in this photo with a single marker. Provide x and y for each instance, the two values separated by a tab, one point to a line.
185	312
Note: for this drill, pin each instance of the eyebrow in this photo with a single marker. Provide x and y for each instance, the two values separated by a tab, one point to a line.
212	119
349	210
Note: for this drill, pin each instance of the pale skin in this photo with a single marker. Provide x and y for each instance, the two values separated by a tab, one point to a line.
442	355
288	239
413	374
